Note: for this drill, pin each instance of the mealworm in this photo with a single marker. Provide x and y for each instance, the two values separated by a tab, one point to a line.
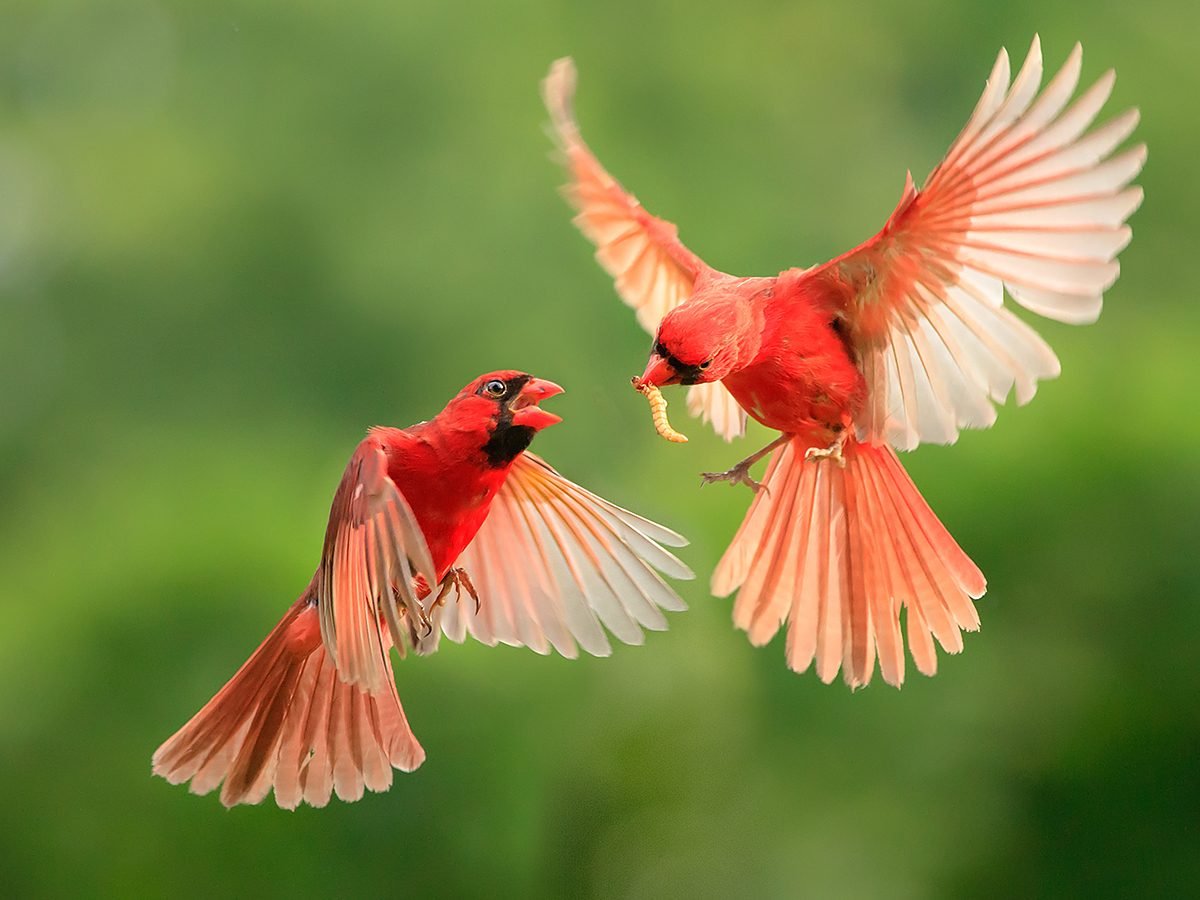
658	412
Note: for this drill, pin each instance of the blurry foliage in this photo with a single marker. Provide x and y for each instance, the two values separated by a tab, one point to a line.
235	234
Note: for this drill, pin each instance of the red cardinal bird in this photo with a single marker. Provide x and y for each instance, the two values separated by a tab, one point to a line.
903	340
545	562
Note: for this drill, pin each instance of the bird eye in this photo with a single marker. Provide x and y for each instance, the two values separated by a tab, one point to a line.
494	388
706	364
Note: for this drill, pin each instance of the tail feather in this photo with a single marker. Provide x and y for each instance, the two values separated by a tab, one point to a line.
251	773
315	771
292	749
287	721
837	552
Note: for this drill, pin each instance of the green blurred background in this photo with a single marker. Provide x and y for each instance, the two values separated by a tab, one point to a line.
234	234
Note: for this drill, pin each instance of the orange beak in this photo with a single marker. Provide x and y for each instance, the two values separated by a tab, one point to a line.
658	372
525	406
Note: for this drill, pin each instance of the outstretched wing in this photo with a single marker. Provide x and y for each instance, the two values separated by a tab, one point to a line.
373	548
653	270
1024	202
554	565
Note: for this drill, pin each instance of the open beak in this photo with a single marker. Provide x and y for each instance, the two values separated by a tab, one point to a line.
659	372
524	406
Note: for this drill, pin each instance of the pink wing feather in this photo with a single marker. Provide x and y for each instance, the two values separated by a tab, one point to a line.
653	270
555	565
1024	202
373	548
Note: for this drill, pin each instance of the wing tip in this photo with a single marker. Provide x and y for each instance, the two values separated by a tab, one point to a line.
562	70
664	535
1035	49
1136	195
558	91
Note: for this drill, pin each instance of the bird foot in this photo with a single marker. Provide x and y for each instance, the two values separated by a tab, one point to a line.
833	451
739	474
426	615
459	581
464	583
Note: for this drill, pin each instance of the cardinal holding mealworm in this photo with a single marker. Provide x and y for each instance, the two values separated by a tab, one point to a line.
901	341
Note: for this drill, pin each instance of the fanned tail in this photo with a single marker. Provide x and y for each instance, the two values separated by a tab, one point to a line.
287	721
836	552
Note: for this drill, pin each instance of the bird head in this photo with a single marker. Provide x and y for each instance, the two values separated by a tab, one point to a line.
508	401
696	343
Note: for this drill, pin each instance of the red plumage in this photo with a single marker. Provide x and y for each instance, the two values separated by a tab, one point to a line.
315	708
903	340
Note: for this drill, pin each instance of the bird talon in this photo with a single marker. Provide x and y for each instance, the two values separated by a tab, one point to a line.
443	590
464	581
426	617
739	474
460	581
820	453
833	451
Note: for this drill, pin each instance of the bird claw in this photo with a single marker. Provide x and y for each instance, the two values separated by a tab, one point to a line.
460	581
426	623
464	583
426	617
739	474
833	451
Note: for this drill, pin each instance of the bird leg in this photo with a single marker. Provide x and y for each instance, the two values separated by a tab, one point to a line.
740	474
456	579
464	582
450	580
460	581
833	451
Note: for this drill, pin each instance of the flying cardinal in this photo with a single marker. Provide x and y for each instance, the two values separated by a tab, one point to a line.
457	503
903	340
